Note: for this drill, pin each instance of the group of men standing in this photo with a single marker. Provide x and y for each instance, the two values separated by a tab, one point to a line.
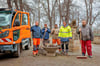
61	36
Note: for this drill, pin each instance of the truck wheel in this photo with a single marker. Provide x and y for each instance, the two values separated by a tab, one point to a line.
17	53
27	47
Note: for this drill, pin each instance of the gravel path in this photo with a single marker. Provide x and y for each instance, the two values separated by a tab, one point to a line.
26	59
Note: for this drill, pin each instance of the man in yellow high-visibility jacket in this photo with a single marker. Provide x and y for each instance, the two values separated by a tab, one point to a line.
65	34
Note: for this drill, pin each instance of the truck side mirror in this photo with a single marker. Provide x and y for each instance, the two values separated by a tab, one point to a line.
17	23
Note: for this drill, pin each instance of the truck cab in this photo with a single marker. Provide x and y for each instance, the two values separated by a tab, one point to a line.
15	34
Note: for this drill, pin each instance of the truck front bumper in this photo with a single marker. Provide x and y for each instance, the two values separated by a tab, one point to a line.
8	48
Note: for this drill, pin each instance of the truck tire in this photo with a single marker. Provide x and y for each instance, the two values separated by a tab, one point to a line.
18	52
27	47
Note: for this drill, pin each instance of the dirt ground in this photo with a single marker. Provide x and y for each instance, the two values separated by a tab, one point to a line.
26	59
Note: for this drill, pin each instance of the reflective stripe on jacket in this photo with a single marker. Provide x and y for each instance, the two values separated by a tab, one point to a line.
65	33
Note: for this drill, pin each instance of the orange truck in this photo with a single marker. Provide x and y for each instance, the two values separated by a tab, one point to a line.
15	34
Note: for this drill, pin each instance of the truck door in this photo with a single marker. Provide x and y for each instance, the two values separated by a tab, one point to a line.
25	26
16	27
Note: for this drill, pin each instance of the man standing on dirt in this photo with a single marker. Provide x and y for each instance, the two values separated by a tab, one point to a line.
45	34
65	35
36	35
55	32
86	35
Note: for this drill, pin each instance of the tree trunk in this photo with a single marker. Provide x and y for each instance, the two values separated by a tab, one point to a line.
91	3
21	5
60	13
67	11
39	11
50	19
86	10
78	18
9	3
16	5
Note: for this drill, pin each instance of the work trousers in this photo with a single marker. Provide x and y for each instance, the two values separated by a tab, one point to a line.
86	45
66	45
36	43
54	41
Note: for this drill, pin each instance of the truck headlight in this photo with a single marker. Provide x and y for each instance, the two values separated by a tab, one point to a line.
4	34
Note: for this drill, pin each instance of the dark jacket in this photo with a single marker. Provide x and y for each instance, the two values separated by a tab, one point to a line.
86	33
45	35
36	32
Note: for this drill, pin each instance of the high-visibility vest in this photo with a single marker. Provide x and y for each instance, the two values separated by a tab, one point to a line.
65	32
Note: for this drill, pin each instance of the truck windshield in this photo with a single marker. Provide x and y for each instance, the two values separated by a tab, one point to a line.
5	19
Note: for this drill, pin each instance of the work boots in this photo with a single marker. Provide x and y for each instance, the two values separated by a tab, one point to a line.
83	54
34	53
90	56
37	53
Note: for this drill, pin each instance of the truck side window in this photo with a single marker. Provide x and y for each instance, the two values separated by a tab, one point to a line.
17	19
24	19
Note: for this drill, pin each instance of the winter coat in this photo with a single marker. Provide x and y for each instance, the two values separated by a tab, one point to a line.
65	33
45	35
86	33
36	32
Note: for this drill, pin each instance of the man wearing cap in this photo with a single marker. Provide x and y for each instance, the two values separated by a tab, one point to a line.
45	34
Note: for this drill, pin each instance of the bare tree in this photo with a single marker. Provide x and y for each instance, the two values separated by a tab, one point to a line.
60	12
21	5
39	11
18	7
50	13
89	11
68	11
16	4
9	3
